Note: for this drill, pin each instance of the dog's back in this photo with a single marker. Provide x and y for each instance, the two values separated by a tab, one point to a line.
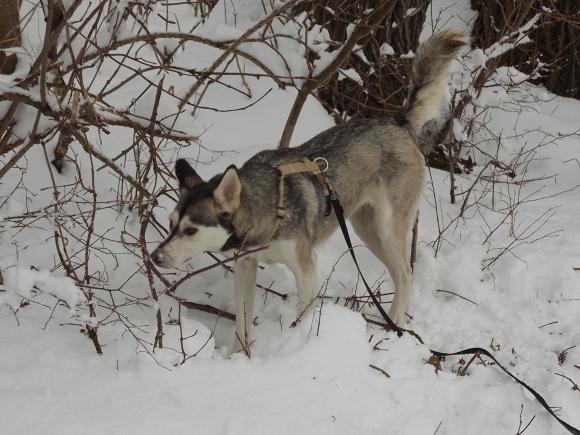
363	156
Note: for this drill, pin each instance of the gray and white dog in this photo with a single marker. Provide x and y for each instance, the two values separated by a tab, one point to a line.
375	167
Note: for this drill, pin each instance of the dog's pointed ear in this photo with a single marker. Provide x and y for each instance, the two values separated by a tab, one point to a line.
186	175
227	194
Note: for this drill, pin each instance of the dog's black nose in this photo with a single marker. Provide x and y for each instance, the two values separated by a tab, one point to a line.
157	257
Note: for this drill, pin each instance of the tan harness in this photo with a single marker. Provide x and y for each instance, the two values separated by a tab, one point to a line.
302	167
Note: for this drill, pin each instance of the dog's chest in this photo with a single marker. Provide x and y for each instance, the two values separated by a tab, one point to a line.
283	251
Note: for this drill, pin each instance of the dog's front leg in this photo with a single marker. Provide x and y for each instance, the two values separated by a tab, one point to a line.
304	270
245	282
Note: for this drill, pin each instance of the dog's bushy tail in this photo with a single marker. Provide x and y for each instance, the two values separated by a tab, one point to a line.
428	77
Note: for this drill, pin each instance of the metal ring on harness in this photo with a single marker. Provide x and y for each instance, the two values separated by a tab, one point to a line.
324	161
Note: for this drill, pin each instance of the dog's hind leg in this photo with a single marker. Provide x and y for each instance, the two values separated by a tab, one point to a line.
395	246
387	241
245	283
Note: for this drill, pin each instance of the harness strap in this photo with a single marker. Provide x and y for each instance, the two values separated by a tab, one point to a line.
304	166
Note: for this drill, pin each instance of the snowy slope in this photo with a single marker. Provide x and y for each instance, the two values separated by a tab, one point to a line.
316	378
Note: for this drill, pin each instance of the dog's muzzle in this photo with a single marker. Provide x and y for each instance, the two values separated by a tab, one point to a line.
160	259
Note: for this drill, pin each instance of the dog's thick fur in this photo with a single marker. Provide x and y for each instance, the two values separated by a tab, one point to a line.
375	167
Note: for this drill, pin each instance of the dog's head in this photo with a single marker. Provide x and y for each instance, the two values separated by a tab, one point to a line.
202	219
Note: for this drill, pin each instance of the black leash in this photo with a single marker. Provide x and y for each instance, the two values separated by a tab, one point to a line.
338	210
539	398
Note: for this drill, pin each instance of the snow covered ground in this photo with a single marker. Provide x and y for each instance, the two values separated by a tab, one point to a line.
316	378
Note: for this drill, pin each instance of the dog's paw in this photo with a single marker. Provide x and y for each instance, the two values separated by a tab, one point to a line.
238	355
399	317
241	348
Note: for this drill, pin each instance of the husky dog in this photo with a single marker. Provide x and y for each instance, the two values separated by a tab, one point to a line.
375	167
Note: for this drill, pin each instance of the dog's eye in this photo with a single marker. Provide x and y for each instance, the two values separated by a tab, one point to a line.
189	231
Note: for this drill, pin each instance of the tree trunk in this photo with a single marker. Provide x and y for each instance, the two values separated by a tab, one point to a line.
9	34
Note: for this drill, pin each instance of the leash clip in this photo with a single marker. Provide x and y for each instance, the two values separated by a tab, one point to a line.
323	160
